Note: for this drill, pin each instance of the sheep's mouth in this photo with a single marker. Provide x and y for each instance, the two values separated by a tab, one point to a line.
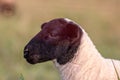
33	59
40	52
37	58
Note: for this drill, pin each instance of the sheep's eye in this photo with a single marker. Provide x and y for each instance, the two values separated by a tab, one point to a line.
53	35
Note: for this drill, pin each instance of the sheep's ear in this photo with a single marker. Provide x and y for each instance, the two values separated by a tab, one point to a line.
71	30
74	33
43	25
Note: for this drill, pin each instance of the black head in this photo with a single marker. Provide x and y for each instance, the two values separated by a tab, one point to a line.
59	39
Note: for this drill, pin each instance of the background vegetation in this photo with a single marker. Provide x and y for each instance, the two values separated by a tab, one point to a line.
100	18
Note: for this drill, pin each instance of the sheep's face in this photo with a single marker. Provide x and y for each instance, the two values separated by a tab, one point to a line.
58	39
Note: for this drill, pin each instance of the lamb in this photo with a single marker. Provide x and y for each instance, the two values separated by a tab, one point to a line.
72	51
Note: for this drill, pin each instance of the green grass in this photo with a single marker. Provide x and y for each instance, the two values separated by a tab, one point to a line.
21	77
99	18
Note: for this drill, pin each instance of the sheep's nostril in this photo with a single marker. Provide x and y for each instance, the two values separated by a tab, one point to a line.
26	53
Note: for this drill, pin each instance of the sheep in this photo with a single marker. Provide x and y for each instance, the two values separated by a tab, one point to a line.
69	47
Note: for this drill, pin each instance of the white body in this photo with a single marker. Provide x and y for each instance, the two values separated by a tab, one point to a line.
88	64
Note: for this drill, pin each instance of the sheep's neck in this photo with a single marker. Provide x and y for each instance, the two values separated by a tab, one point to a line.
86	52
84	60
87	64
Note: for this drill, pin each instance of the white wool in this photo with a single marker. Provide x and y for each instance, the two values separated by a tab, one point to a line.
88	64
68	20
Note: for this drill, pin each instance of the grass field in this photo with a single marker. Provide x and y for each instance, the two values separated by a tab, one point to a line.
100	18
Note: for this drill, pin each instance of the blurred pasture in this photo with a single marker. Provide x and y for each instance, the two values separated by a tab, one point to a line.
100	18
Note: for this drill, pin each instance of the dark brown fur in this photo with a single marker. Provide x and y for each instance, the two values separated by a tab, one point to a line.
59	39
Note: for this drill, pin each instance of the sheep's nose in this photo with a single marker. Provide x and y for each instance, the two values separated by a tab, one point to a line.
26	52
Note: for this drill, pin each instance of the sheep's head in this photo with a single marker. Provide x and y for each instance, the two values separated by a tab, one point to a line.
58	39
